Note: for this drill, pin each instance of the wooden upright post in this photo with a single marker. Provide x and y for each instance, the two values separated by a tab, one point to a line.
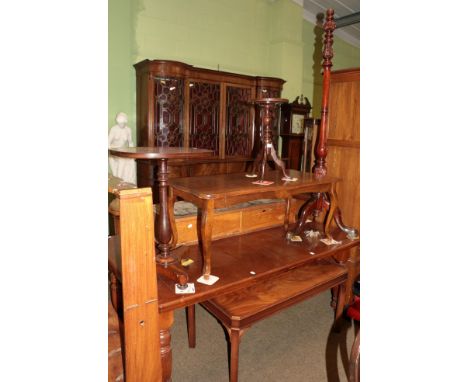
320	168
139	286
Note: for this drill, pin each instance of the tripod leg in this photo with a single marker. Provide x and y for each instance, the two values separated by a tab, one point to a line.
350	231
256	162
278	161
263	163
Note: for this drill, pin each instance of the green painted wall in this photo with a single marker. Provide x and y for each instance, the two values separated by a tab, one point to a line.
206	33
257	37
121	76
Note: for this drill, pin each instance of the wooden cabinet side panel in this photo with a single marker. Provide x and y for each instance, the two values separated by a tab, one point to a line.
344	162
343	158
143	129
344	120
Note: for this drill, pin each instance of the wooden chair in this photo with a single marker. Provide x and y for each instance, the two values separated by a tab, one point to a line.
133	284
239	310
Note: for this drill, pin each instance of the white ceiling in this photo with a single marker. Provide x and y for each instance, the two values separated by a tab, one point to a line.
350	33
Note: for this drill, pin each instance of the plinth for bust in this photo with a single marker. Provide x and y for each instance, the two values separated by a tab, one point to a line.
268	109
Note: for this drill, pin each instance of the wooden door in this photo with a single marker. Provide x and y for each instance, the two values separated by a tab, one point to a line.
168	112
343	141
238	126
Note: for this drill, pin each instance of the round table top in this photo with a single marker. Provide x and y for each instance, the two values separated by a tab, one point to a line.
160	152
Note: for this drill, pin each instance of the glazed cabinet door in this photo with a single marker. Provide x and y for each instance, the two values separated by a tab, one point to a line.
168	112
204	114
239	121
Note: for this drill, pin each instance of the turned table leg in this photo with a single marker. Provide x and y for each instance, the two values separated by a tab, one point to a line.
166	320
163	226
171	199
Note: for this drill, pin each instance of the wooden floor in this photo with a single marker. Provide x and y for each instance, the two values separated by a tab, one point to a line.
244	260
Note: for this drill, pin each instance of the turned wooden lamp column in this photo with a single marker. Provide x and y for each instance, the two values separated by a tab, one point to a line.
268	108
321	150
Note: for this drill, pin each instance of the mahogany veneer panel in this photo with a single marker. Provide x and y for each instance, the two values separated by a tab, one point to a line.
247	306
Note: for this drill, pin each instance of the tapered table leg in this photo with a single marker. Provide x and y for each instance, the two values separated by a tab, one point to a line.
206	229
191	325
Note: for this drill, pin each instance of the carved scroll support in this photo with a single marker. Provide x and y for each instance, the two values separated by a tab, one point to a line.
321	150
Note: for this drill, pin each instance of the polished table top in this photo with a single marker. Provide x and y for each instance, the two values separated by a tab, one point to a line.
240	262
222	185
160	152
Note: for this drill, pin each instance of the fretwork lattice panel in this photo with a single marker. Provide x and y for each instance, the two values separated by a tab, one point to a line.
169	112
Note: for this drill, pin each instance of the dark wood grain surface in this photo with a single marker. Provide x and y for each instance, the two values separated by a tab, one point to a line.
275	291
266	253
220	186
160	152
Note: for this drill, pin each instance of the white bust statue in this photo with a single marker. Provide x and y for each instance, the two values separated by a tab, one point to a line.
120	135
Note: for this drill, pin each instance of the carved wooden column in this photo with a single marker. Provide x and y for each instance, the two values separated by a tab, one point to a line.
268	111
320	168
164	229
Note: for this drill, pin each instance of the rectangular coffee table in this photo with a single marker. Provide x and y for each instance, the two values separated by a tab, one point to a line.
224	190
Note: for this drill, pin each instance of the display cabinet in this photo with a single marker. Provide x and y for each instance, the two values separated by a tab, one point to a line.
180	105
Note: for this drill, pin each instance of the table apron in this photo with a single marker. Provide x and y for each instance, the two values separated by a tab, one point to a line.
229	200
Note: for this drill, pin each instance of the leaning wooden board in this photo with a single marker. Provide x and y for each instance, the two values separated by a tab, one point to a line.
343	158
344	142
